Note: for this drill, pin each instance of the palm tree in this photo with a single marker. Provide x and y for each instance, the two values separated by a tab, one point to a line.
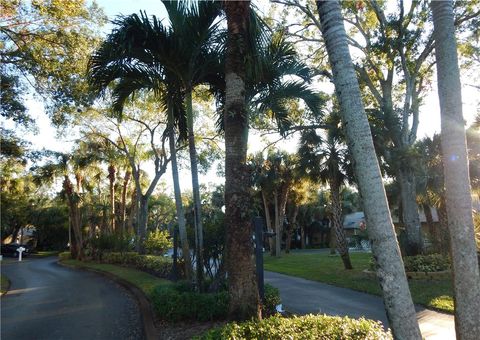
325	161
391	273
466	278
244	298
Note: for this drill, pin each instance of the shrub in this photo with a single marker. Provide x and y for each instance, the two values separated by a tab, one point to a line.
64	256
111	242
421	263
426	263
272	299
178	304
155	265
158	242
304	327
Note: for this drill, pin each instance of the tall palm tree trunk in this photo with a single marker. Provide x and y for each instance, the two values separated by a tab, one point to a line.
340	238
278	233
268	219
391	273
242	284
123	215
178	200
74	214
142	216
466	276
111	177
197	205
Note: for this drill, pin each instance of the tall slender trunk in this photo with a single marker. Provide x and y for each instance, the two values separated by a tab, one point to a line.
411	218
443	236
242	284
278	233
72	201
268	219
178	200
123	215
391	273
466	276
337	227
142	217
291	229
430	225
197	204
111	177
133	212
302	236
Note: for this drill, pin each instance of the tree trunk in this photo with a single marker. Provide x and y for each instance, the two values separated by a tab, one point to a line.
123	217
391	273
268	220
411	218
178	200
197	204
242	284
111	178
142	224
466	276
302	236
133	212
278	233
337	228
72	200
431	227
291	229
442	236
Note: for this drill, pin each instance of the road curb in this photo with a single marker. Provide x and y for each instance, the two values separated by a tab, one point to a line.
144	305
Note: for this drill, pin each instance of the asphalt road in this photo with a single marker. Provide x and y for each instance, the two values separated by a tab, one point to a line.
302	296
48	301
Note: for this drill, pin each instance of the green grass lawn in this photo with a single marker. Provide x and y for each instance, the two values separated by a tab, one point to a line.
329	269
45	253
142	280
4	284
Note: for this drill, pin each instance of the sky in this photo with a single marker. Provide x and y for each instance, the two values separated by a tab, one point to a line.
46	138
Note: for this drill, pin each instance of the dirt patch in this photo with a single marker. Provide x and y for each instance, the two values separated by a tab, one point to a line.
184	330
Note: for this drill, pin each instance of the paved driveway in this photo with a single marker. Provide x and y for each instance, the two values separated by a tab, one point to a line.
302	296
47	301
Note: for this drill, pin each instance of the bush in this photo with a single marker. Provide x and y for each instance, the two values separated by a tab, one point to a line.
272	299
64	256
179	304
304	327
158	242
426	263
155	265
422	263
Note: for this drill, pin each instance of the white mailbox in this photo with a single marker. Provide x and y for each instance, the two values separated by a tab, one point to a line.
20	251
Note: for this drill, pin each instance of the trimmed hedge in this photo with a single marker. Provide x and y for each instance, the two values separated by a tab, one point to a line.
156	265
181	303
178	304
64	256
426	263
422	263
303	327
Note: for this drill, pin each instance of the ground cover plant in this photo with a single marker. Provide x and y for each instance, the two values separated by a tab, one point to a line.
303	327
324	268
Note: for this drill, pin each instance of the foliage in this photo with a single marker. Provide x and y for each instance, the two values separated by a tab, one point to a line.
476	223
158	242
45	45
323	268
303	327
272	300
66	255
155	265
426	263
180	304
110	243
